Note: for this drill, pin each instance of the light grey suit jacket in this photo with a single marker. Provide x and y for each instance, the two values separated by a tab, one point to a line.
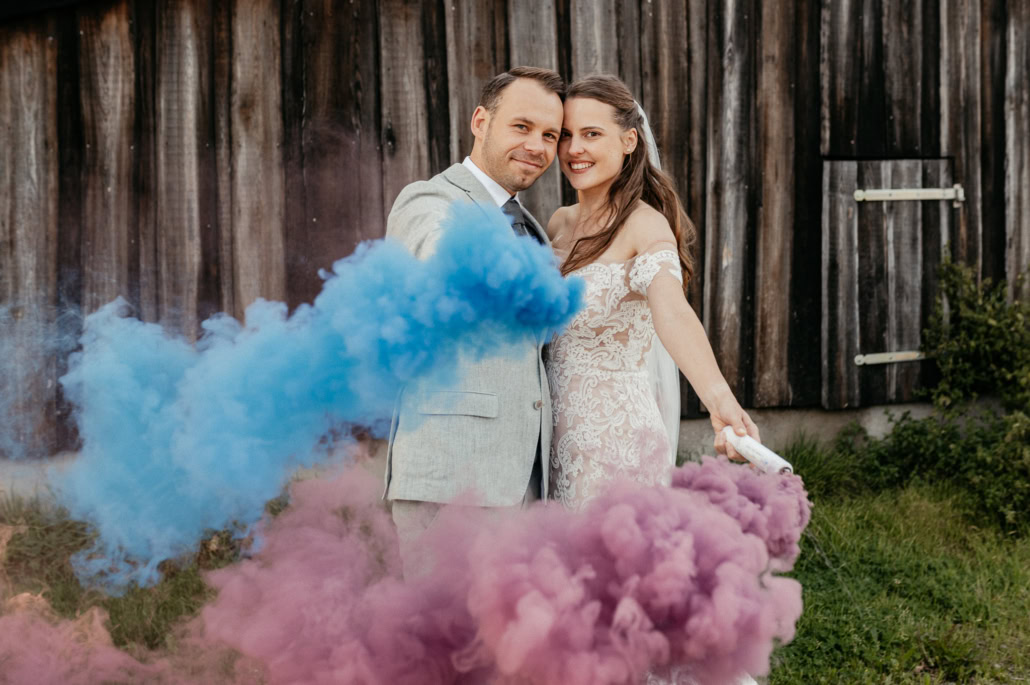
480	433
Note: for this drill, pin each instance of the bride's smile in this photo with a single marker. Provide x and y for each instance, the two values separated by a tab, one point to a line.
592	145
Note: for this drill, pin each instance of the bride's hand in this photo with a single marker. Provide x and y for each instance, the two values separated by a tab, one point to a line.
726	411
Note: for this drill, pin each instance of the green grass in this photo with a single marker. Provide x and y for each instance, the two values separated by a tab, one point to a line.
900	586
38	560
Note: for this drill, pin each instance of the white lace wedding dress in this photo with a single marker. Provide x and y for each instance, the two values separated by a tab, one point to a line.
607	423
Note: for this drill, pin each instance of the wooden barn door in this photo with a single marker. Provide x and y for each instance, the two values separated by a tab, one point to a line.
879	275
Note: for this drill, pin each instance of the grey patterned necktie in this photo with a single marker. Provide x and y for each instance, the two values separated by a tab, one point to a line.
513	210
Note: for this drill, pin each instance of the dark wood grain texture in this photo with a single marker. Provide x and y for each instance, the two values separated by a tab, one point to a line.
903	223
902	71
593	32
775	231
873	290
221	67
184	164
107	93
805	379
730	208
840	281
28	236
212	151
256	130
1017	150
960	116
993	57
477	51
336	151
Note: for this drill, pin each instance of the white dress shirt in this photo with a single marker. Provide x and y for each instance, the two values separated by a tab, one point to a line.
499	194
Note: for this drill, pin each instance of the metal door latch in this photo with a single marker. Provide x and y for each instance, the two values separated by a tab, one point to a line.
955	193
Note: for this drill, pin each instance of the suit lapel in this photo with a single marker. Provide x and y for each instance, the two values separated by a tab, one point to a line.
460	176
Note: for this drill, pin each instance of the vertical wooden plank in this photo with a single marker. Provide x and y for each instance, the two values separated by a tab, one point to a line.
434	42
993	59
960	99
108	66
840	320
404	120
696	181
221	76
257	173
728	268
667	82
903	222
1017	150
775	116
593	36
667	86
477	50
873	289
805	377
534	42
939	221
144	25
930	47
70	148
295	45
332	150
903	77
851	65
28	236
628	22
183	162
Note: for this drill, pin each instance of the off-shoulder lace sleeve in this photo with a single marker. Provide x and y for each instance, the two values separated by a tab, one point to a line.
660	260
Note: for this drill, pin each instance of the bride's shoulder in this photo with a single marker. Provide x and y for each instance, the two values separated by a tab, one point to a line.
647	226
559	220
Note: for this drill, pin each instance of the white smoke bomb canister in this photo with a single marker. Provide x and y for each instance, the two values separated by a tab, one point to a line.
757	453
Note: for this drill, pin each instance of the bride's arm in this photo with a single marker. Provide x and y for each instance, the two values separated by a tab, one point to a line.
679	329
684	337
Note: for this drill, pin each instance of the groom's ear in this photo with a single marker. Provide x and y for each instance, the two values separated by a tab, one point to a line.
480	121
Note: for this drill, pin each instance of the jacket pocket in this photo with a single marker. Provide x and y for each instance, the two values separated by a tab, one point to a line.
451	402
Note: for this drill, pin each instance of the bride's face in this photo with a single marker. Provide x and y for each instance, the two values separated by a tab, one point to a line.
592	145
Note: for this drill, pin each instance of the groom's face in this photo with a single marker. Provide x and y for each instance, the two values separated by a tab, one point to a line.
518	140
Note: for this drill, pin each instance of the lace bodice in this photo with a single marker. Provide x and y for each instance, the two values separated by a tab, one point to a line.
614	330
606	419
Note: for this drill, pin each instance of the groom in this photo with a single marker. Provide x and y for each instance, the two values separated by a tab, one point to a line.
490	432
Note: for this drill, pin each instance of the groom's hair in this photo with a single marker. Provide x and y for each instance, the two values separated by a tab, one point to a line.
548	78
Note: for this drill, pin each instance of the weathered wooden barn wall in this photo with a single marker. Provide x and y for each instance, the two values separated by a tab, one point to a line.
192	155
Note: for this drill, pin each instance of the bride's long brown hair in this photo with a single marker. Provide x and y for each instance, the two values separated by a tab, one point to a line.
638	180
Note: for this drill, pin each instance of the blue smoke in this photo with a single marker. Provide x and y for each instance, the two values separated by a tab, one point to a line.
180	440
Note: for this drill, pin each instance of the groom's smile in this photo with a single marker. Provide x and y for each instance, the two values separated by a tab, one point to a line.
518	139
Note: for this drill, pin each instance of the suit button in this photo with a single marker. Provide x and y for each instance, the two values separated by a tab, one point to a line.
538	404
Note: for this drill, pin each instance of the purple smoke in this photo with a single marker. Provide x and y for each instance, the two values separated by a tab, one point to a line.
645	579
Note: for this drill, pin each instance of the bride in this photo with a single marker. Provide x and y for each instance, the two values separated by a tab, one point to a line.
627	237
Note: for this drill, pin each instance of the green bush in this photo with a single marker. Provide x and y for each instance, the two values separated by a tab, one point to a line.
985	454
979	340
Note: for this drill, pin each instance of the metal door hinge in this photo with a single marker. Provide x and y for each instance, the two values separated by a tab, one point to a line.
888	357
955	193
